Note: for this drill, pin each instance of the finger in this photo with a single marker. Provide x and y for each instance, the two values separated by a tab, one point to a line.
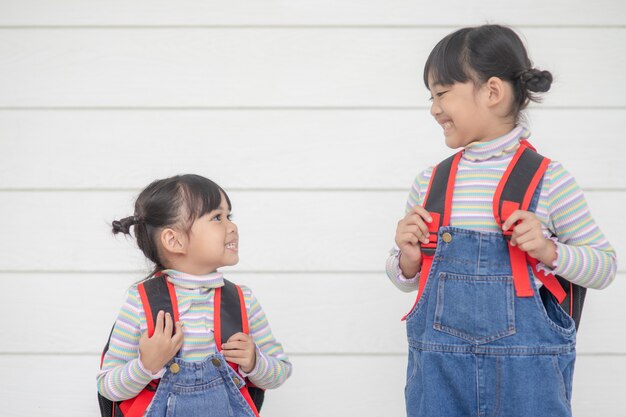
239	336
178	336
407	239
235	345
167	331
235	353
238	361
158	326
523	228
423	213
515	217
423	231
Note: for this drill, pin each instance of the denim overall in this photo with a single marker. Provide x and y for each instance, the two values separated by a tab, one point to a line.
209	388
475	348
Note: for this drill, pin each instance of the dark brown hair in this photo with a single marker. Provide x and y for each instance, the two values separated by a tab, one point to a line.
171	202
479	53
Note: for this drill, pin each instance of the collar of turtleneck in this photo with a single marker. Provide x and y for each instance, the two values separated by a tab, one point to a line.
185	280
506	144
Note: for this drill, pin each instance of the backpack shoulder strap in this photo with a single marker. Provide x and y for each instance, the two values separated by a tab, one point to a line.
157	294
438	203
438	198
515	192
229	317
519	182
229	312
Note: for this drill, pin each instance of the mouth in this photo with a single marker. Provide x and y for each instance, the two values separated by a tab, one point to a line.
232	246
447	125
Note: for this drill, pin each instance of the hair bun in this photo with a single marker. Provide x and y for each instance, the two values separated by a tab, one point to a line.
536	80
123	225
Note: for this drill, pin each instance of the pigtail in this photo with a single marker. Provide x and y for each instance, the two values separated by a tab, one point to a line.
124	225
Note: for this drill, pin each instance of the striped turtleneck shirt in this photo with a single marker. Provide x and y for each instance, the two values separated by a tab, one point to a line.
584	255
123	375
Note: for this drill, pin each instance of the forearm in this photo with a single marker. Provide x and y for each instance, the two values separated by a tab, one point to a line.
269	371
396	275
124	381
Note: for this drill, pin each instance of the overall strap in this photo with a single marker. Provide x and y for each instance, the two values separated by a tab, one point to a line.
230	317
515	192
438	203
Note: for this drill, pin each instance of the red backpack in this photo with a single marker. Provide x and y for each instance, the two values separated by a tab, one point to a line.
515	191
229	316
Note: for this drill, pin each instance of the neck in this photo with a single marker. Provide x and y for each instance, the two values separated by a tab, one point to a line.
498	130
191	268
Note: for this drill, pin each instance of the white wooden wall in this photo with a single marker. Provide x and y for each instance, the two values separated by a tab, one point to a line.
313	115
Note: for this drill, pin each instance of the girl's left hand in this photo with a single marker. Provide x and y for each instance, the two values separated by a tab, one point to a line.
240	349
528	236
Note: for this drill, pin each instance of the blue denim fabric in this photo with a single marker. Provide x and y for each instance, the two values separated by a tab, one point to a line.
475	348
208	389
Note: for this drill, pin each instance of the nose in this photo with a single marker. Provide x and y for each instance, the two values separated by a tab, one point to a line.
232	227
435	110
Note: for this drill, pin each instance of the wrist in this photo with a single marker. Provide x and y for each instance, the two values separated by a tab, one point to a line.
252	366
409	266
549	254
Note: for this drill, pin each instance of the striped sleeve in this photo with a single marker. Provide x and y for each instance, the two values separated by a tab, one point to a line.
272	366
584	255
416	197
122	375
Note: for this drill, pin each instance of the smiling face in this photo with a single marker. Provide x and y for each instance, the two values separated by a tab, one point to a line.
213	241
469	113
461	111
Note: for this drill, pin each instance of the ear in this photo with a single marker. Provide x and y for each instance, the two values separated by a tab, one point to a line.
495	91
173	242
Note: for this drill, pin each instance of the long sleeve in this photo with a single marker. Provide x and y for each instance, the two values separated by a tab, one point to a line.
272	366
584	255
122	375
416	197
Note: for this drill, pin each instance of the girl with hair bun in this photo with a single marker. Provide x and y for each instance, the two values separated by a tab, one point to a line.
487	335
183	225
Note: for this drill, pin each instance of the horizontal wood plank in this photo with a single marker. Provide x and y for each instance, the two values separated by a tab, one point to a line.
309	313
319	12
280	231
272	67
317	388
274	149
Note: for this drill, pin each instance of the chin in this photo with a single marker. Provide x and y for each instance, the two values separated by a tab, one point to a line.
232	262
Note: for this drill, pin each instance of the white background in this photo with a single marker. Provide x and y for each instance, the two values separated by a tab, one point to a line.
313	115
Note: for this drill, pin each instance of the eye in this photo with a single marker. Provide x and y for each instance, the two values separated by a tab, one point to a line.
441	93
218	217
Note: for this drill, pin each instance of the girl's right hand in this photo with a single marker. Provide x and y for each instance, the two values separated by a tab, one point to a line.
156	351
412	230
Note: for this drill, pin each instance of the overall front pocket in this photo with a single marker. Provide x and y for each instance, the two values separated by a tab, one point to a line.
478	309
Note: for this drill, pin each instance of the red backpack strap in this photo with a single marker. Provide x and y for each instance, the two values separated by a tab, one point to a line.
229	317
438	203
515	192
156	294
